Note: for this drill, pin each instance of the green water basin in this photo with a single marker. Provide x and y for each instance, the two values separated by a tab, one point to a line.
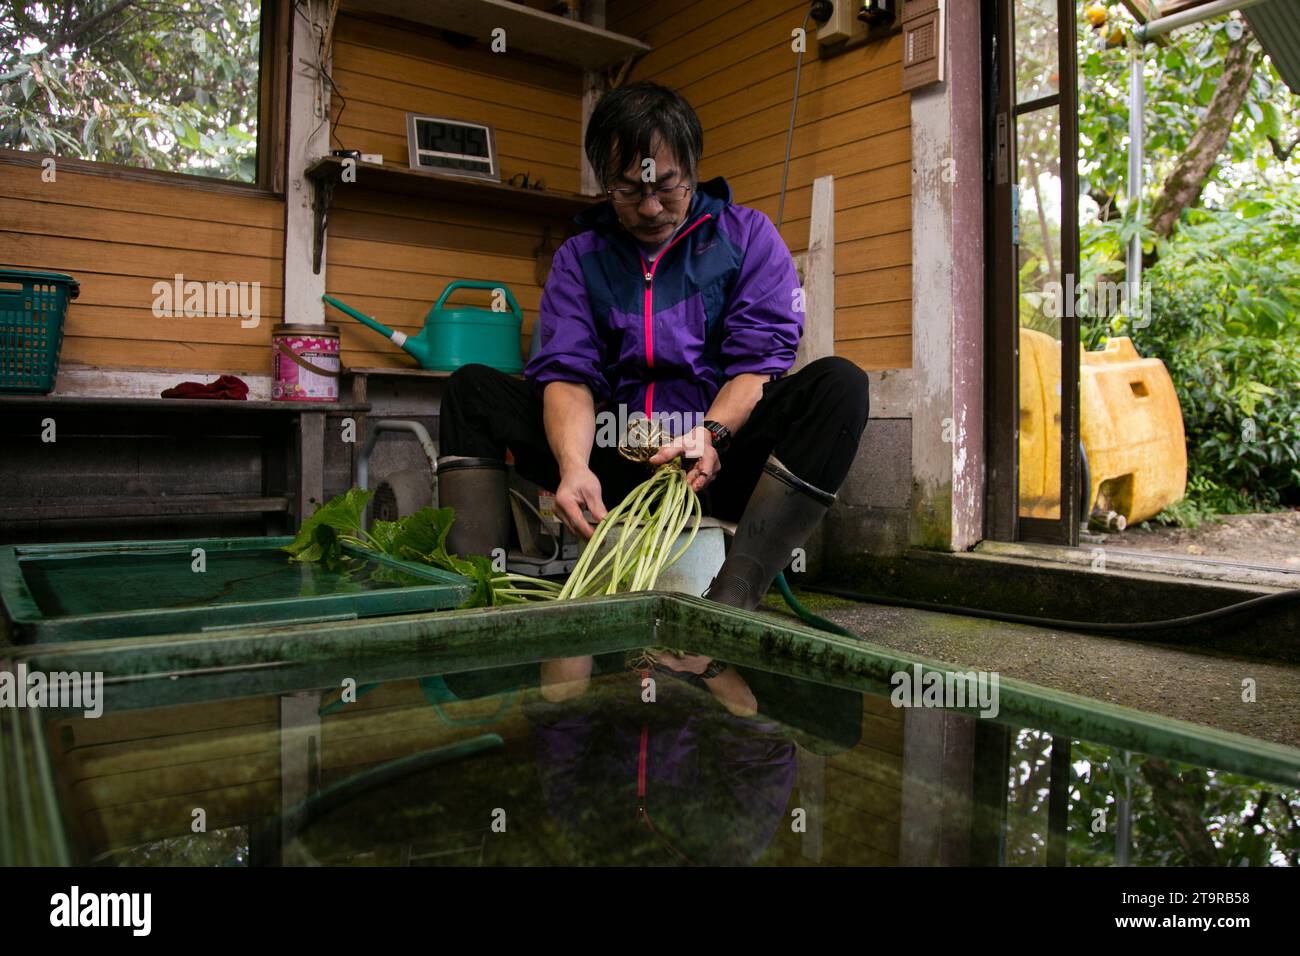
548	735
73	592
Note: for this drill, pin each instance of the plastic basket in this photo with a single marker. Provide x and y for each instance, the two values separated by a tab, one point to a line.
32	307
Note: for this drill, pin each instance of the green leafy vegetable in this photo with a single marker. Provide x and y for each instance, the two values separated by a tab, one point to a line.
628	551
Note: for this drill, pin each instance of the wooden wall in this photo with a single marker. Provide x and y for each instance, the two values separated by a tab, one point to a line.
391	257
862	798
119	236
733	61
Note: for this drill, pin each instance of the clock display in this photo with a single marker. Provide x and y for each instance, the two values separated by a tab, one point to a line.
445	145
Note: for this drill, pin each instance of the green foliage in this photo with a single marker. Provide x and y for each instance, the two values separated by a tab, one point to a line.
1245	822
1204	503
1225	290
1180	76
420	537
1226	819
642	533
321	537
171	86
1225	319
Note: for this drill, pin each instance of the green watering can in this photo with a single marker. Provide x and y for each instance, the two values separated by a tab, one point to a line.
462	335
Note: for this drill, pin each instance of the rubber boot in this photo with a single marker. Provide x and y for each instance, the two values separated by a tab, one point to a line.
782	512
475	488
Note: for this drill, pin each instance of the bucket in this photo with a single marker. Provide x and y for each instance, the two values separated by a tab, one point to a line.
693	571
304	363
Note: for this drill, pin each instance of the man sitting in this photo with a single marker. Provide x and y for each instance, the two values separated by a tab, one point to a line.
673	301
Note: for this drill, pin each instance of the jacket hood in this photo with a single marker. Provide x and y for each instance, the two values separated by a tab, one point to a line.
711	196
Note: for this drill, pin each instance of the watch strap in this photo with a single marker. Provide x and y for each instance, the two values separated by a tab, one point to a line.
715	668
721	434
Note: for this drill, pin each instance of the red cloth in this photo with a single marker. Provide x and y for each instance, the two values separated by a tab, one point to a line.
227	386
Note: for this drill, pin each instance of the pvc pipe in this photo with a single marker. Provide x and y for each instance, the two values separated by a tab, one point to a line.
1136	105
394	425
1162	25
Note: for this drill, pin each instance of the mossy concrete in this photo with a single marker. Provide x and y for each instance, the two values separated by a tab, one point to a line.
1064	592
1202	687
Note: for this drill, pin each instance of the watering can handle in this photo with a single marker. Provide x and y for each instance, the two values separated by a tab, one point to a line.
480	284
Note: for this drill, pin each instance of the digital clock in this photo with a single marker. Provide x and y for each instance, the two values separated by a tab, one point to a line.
454	147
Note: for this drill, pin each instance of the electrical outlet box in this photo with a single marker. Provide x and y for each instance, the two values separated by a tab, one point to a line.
923	43
843	24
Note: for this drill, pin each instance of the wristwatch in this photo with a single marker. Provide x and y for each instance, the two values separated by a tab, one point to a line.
721	435
715	668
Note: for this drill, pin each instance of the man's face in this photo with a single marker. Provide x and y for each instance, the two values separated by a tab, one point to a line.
649	220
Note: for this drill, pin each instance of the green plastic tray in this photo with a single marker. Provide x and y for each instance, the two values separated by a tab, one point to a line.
72	592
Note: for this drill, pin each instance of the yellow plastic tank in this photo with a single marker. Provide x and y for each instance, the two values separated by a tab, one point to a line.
1040	425
1132	429
1129	420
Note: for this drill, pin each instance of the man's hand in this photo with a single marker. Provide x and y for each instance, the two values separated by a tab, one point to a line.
579	488
687	663
696	446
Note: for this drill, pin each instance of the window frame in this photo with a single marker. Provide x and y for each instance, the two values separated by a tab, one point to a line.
272	112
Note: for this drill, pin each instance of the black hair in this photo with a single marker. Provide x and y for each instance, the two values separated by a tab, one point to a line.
628	122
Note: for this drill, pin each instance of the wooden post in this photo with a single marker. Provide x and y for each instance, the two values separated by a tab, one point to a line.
938	786
309	488
818	278
810	778
308	140
593	12
299	764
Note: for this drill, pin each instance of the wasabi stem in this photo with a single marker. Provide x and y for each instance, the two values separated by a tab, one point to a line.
653	515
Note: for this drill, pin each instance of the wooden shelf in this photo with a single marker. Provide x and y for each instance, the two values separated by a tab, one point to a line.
393	372
555	37
190	405
49	509
411	182
326	176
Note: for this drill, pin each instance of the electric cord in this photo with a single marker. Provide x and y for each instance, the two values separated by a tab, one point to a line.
789	134
1086	627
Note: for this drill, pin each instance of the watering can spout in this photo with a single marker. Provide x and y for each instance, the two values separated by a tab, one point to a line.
397	338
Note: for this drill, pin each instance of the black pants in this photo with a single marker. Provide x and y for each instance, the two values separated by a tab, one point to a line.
811	420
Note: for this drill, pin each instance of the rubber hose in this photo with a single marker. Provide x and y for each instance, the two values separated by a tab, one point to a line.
1087	627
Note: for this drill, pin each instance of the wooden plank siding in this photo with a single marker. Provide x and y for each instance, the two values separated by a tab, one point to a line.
863	798
119	236
733	62
391	257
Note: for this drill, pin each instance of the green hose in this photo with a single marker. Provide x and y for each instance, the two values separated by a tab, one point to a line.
807	616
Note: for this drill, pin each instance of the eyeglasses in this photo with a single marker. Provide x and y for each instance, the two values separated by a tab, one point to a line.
630	195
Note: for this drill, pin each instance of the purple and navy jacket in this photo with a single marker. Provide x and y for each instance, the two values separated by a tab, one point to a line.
663	337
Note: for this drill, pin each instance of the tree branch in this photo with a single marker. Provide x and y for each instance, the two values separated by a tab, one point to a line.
91	23
1182	187
1169	795
1282	154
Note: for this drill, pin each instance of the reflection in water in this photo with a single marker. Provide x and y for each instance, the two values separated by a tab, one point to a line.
660	766
583	760
1131	809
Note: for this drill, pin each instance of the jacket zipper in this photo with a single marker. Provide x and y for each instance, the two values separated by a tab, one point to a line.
642	813
649	272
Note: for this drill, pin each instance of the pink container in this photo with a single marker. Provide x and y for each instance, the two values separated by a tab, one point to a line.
304	363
